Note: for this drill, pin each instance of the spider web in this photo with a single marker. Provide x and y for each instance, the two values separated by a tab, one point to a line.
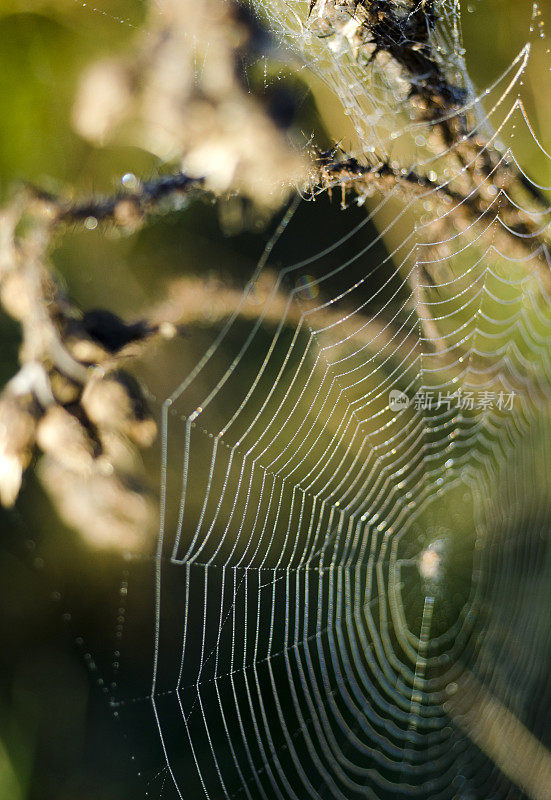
354	481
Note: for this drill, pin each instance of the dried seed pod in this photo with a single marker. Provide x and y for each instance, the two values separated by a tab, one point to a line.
17	435
86	350
117	452
143	431
100	334
61	435
11	477
14	296
65	390
18	293
18	415
104	98
112	332
109	511
116	403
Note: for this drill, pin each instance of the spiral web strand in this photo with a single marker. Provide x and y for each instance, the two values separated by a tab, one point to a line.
354	485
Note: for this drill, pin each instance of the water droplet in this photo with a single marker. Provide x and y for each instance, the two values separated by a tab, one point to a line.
130	181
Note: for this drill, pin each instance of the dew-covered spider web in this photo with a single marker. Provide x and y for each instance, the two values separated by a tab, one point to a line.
352	573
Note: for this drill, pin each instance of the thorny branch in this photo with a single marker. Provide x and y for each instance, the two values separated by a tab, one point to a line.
474	201
403	30
128	208
480	182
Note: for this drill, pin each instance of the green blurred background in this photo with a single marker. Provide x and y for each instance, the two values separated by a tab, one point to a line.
58	600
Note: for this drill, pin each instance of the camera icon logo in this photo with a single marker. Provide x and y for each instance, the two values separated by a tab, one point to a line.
397	400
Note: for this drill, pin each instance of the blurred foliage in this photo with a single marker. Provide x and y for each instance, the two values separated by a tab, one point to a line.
45	47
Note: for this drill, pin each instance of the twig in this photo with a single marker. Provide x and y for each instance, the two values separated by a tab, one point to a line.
122	208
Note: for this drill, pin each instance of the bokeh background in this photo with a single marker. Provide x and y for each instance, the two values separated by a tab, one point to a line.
62	603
